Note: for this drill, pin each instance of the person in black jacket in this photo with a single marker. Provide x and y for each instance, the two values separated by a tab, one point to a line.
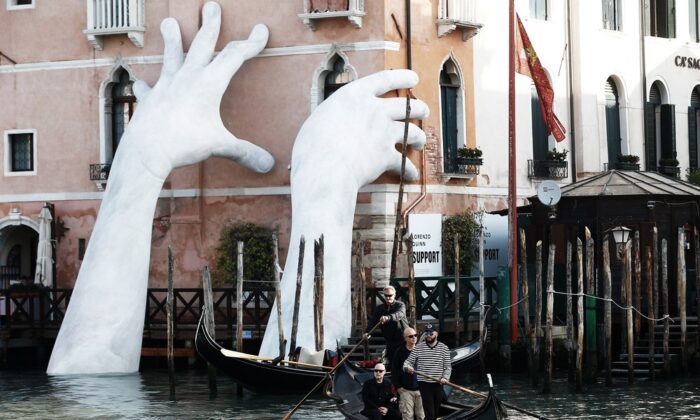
406	384
392	316
378	397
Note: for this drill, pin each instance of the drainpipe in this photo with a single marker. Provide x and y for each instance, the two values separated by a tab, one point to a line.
409	65
643	67
572	125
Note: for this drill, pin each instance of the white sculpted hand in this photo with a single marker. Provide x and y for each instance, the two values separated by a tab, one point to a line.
346	143
177	123
358	130
180	116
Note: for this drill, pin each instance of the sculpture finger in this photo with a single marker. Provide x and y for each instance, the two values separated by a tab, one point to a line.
230	59
396	108
415	138
245	153
411	172
384	81
202	49
141	90
172	50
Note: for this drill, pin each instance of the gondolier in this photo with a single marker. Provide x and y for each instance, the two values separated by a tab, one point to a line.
432	358
406	384
392	316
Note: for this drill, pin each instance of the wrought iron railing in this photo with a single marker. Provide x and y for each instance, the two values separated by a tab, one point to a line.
100	171
622	166
673	171
464	166
457	10
552	169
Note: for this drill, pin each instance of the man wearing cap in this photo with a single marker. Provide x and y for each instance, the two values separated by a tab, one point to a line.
431	358
379	397
392	316
406	384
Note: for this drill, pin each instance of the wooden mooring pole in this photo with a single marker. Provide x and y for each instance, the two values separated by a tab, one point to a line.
239	296
411	284
538	313
458	314
526	299
579	302
655	250
664	294
650	310
278	294
169	302
482	301
550	317
697	285
211	326
680	285
630	319
637	289
297	298
591	311
607	290
569	318
318	293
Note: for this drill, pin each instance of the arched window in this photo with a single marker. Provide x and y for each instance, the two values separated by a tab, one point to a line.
452	112
540	140
693	126
123	106
660	129
612	122
337	77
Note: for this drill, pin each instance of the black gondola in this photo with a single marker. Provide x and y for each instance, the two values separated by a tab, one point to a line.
347	392
260	375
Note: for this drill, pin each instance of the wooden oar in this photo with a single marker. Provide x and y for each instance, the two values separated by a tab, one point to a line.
479	394
239	355
328	374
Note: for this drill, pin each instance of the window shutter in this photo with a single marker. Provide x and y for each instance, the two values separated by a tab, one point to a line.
540	141
612	121
671	15
649	136
647	18
606	14
693	137
668	131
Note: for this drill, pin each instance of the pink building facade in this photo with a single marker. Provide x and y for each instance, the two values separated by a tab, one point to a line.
66	98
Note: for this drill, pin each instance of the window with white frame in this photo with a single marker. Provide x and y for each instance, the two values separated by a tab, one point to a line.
20	152
20	4
611	15
539	9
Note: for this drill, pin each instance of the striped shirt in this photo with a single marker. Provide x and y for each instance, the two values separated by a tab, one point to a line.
434	361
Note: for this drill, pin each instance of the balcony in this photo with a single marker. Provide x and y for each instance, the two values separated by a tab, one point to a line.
99	172
621	166
548	169
314	10
462	167
453	14
672	171
115	17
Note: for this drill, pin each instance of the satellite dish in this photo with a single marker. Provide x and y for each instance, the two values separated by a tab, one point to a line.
549	193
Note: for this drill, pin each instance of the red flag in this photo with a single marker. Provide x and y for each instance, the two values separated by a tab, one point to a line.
527	63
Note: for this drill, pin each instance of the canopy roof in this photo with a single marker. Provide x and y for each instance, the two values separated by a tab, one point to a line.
629	183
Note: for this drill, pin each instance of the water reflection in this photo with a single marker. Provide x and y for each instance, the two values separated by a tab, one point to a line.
99	395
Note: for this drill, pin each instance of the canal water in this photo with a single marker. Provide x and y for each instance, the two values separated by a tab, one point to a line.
33	395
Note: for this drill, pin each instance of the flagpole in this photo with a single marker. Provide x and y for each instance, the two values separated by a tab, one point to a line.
512	188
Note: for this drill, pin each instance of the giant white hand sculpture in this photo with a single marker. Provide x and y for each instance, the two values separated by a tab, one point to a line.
177	123
346	143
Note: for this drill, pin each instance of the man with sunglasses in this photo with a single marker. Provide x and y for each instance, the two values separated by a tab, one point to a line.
406	384
392	315
432	358
378	397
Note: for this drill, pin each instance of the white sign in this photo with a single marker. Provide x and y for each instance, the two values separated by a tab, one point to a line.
495	244
427	244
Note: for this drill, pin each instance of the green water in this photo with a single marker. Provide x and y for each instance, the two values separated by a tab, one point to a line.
33	395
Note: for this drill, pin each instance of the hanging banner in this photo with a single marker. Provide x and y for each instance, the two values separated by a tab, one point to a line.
427	244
